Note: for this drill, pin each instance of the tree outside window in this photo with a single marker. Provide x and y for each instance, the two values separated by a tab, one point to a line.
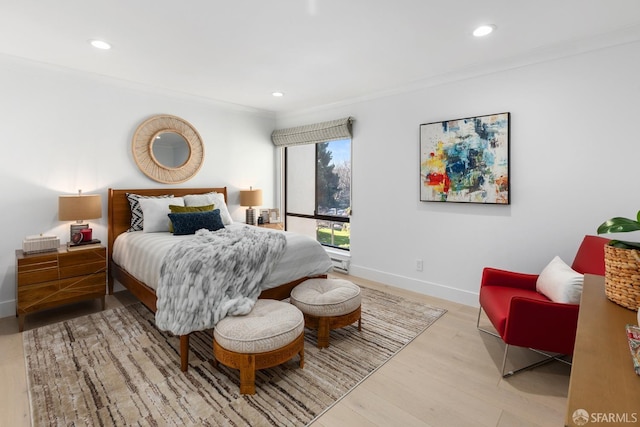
333	192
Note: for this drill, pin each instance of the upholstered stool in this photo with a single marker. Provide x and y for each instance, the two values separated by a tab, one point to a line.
327	304
271	334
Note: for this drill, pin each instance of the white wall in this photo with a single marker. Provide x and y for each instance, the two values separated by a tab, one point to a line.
574	163
63	131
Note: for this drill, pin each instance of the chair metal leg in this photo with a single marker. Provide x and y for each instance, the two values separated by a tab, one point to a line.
549	357
504	360
482	329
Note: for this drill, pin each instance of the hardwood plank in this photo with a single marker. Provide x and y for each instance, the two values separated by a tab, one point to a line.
14	405
380	405
344	416
433	402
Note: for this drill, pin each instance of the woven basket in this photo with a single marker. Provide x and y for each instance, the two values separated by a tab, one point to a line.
622	276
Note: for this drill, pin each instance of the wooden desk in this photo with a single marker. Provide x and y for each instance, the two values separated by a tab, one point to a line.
602	377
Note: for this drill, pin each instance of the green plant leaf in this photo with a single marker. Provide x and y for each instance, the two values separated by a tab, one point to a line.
618	225
624	245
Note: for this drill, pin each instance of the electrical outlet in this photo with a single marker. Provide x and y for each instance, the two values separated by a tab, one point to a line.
418	265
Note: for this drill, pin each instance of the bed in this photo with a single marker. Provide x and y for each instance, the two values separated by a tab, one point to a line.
119	221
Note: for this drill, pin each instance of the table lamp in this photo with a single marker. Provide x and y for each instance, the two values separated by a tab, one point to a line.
251	198
78	208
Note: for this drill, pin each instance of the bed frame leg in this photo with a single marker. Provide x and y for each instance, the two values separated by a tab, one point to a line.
184	352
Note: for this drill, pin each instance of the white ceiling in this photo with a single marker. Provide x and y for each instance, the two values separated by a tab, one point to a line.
317	52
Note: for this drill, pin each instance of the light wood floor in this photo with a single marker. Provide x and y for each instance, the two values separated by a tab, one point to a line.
448	376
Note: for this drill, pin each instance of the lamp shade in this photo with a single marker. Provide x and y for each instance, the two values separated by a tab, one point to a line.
250	197
79	207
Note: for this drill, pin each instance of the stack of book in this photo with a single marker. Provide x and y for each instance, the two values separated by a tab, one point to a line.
89	244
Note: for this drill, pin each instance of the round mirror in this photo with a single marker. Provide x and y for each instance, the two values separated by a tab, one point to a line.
167	149
170	149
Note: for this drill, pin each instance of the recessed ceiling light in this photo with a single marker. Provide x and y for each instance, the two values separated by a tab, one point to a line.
484	30
277	94
100	44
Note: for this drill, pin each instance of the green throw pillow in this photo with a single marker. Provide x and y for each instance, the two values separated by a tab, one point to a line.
186	209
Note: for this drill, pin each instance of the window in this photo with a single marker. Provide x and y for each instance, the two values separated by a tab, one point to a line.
318	191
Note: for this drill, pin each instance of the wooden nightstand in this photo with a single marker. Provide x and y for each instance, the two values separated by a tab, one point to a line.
51	279
274	225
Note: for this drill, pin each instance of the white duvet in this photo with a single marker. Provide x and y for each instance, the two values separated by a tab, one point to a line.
141	255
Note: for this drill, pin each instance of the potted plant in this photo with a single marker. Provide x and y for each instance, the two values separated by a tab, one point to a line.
621	225
622	263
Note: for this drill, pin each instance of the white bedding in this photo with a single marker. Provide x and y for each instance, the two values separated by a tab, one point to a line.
141	254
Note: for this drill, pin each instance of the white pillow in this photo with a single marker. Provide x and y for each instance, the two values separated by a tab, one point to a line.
136	211
560	283
215	199
156	213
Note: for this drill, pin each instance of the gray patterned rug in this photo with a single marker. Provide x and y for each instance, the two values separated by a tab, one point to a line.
115	368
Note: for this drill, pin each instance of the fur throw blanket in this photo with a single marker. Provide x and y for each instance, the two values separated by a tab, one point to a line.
213	275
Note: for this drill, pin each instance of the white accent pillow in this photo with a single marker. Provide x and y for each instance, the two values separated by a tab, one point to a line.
215	199
155	213
560	283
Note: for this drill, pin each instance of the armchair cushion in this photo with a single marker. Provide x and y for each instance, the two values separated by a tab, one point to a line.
560	283
496	302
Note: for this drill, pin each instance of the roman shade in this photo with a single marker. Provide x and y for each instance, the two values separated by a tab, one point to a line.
313	134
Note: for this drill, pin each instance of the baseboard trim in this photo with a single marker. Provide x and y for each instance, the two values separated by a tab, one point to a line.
7	308
408	283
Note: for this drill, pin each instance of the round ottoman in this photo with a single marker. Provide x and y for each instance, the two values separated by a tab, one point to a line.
327	304
271	334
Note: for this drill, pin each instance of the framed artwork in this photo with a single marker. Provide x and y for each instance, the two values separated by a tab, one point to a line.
264	214
465	160
274	215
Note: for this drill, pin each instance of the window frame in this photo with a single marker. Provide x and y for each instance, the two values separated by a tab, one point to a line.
315	216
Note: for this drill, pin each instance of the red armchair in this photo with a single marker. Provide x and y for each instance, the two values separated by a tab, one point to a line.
523	317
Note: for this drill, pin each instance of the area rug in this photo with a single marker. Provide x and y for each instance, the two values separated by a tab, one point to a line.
115	368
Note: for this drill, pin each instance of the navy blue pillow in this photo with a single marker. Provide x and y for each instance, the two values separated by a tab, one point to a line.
190	222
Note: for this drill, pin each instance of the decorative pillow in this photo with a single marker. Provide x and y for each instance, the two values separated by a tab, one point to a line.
190	222
207	199
184	209
155	213
137	220
560	283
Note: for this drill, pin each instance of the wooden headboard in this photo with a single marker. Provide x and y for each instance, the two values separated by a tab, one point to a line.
120	213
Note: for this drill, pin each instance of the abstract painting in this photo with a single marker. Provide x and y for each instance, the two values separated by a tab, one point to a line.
465	160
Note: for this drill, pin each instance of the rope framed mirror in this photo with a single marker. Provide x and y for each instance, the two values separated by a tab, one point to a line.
167	149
